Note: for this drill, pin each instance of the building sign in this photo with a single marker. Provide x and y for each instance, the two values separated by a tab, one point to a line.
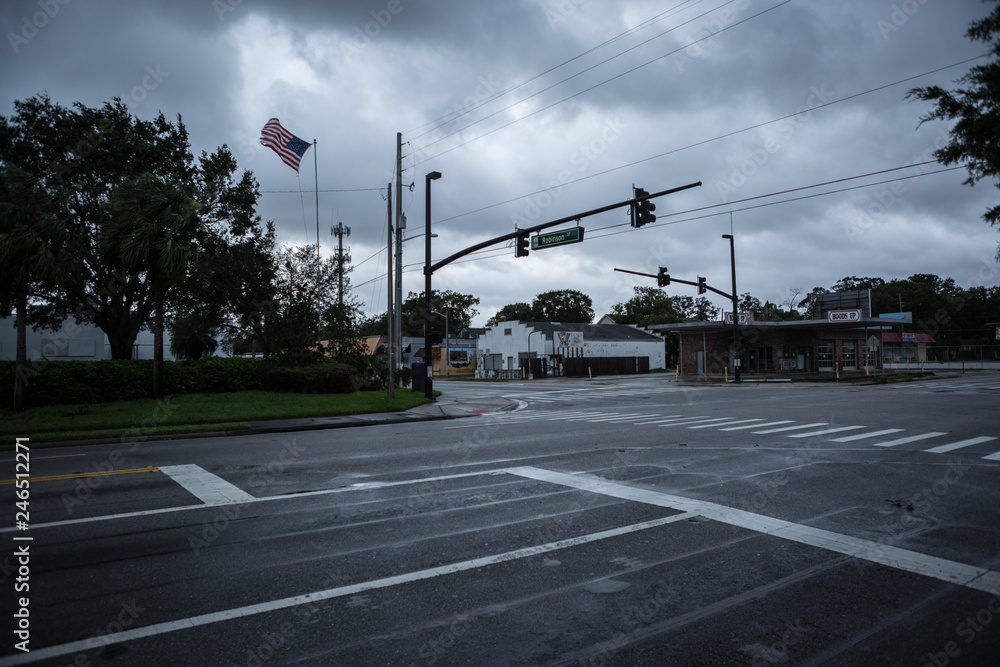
908	338
569	338
844	316
744	318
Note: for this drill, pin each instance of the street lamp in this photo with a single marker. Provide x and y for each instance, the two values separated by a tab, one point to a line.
428	382
447	357
736	315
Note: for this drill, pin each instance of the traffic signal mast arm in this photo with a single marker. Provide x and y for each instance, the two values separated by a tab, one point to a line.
678	280
570	218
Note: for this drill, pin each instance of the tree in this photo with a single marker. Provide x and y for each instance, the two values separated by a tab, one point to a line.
563	306
78	155
690	308
649	306
975	105
512	312
459	307
32	243
153	235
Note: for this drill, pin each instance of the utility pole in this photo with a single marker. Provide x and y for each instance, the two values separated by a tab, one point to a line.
388	313
397	340
340	231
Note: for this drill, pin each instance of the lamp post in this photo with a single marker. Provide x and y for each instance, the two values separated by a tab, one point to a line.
736	315
428	381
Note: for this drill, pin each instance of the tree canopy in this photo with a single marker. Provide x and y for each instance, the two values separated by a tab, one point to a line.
78	156
566	305
975	106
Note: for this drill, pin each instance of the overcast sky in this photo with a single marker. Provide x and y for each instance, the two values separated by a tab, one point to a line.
534	110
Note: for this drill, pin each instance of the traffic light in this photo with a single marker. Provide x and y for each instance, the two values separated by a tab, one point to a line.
642	212
702	287
521	245
646	209
662	278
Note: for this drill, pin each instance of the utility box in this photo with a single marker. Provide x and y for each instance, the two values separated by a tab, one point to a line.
419	377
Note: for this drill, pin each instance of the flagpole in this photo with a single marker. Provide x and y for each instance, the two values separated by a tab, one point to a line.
316	174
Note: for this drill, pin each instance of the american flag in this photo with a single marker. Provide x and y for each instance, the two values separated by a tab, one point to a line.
288	147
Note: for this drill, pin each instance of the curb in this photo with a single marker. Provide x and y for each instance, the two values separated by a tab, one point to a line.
350	421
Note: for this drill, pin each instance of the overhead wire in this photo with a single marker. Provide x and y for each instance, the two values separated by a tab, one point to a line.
495	252
445	119
713	139
595	86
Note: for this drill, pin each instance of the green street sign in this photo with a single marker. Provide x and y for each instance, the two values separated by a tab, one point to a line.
549	239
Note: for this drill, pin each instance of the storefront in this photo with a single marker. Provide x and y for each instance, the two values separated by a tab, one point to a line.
848	344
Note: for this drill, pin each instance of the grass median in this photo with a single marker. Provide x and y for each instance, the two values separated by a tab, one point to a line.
190	413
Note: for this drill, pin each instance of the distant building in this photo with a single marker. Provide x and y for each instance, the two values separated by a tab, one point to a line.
517	349
73	342
840	335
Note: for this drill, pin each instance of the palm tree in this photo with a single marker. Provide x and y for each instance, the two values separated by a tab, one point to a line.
153	231
31	240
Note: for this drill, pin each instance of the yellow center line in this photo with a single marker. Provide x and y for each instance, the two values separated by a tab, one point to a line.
77	475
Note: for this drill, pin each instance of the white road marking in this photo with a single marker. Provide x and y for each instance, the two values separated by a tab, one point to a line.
740	428
993	457
825	431
976	578
960	444
696	420
92	643
661	419
738	421
210	489
616	416
862	436
292	496
626	419
666	420
912	438
790	428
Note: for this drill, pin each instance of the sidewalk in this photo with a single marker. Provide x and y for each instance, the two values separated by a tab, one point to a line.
442	408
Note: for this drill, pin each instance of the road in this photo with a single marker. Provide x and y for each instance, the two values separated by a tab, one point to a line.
620	521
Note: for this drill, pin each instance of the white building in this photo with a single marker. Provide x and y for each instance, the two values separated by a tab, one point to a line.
503	350
81	342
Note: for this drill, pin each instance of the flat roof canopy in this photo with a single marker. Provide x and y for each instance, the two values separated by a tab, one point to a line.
720	327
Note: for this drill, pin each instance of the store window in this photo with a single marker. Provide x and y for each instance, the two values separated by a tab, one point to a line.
794	358
825	355
849	355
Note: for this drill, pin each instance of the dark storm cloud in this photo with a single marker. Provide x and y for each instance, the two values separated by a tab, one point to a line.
352	74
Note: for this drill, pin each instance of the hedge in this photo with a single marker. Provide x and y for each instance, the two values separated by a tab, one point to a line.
57	382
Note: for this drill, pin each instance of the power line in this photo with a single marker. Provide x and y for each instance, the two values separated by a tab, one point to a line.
498	253
598	85
275	192
658	17
716	138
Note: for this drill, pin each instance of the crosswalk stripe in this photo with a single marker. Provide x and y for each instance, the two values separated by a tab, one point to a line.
740	428
626	419
825	431
790	428
662	419
738	421
685	422
912	438
862	436
617	415
960	444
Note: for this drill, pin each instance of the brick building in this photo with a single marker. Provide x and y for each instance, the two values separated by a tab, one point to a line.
841	335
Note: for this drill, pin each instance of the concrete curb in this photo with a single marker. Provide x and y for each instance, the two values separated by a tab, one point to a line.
296	425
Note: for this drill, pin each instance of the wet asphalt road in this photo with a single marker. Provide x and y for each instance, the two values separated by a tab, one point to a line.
622	521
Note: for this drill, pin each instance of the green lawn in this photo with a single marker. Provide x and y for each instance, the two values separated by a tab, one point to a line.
189	413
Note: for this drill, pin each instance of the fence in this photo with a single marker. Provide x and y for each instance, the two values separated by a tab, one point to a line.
584	366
